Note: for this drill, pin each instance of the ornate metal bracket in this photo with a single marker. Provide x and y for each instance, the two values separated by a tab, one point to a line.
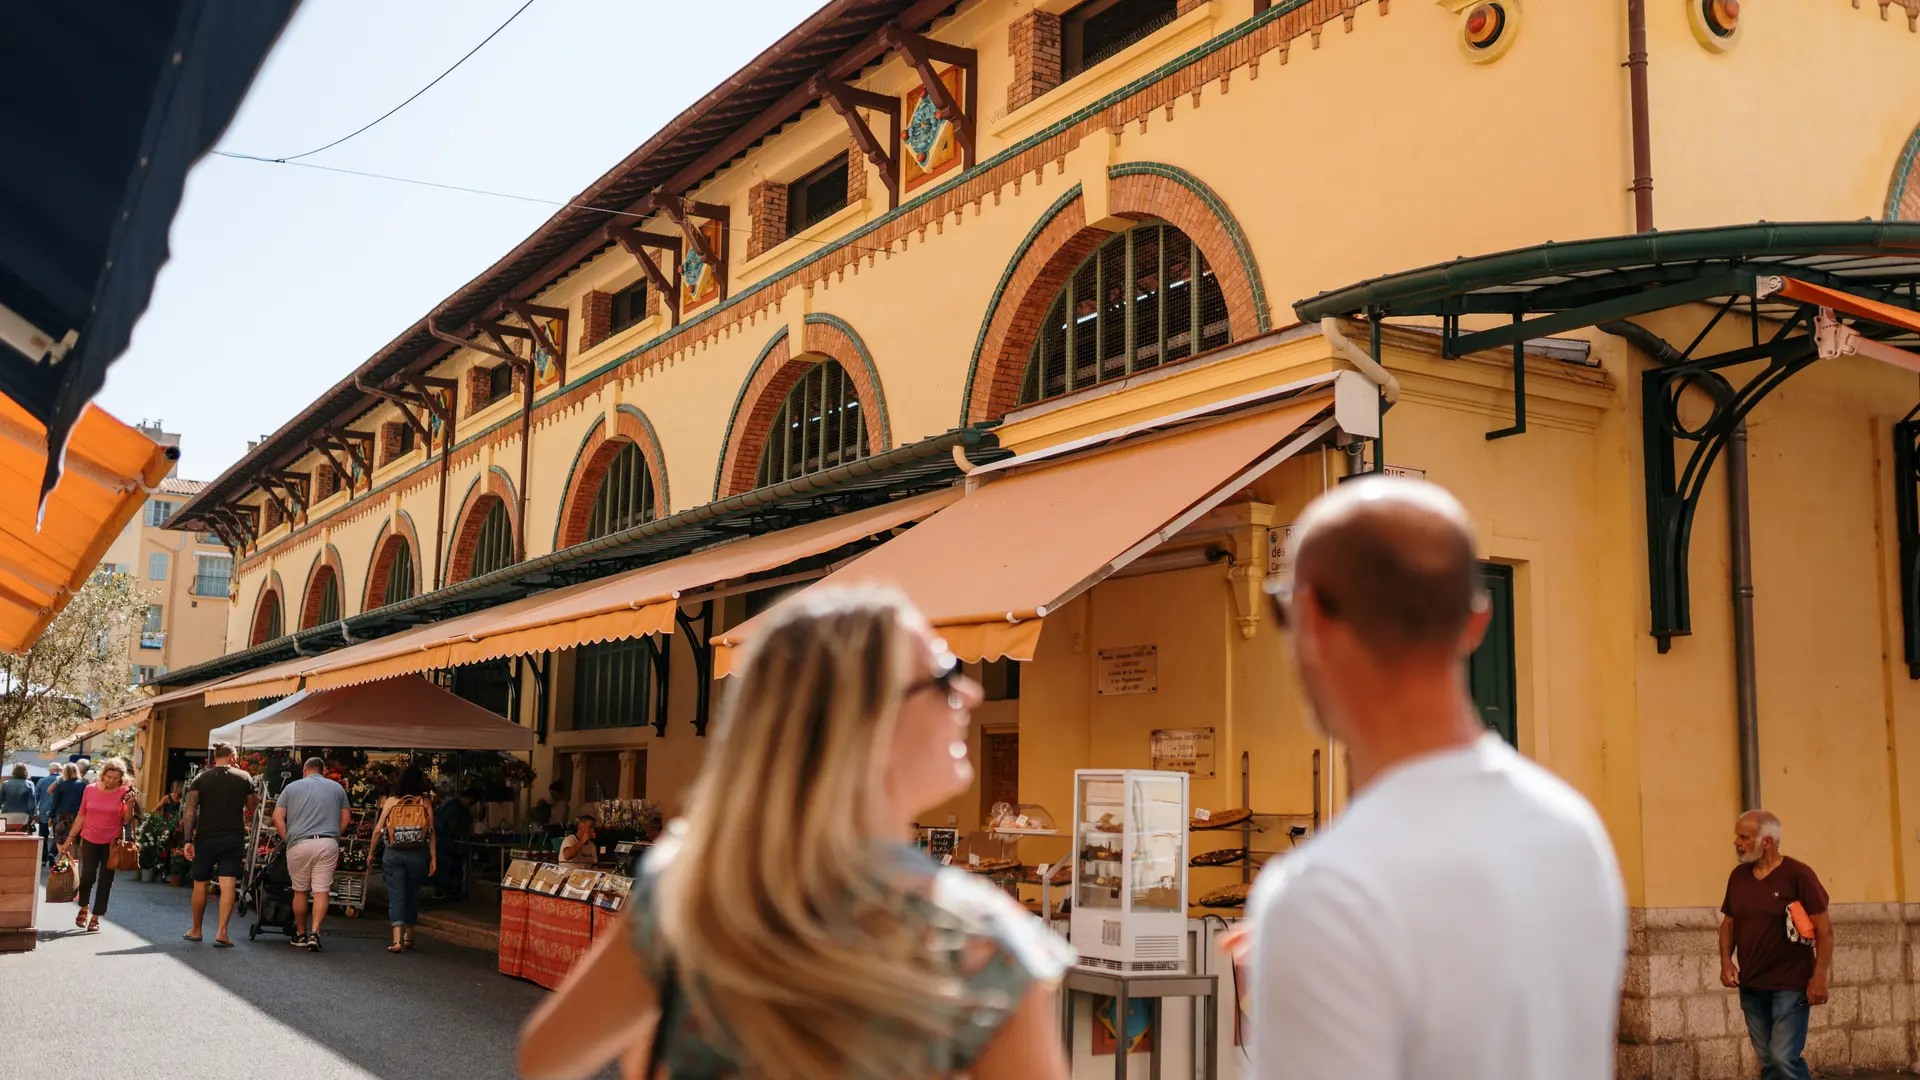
662	653
702	647
1672	490
1906	501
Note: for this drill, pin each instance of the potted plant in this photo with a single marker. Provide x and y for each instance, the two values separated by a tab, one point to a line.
177	867
152	836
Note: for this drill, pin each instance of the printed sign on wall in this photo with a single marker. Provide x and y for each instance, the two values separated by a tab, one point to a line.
1187	750
1134	669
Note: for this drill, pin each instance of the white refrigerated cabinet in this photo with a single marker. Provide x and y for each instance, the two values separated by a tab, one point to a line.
1130	870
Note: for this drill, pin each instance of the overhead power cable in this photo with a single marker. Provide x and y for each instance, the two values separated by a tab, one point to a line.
436	79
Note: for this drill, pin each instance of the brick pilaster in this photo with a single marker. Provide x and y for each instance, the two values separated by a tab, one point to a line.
478	381
766	217
273	517
1033	40
325	483
856	173
596	318
1185	6
390	441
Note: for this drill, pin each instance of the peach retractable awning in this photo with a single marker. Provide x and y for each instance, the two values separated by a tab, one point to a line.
988	569
626	605
108	470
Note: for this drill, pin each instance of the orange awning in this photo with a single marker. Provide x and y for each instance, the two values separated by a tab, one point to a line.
109	469
988	569
627	605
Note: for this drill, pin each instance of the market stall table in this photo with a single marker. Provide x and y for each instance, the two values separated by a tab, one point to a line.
1153	987
19	890
550	915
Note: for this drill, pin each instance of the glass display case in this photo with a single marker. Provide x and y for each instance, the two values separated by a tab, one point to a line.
1130	870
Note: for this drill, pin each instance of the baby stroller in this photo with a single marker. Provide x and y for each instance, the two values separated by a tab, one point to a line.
270	890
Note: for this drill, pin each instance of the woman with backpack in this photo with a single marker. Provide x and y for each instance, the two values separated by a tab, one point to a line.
406	828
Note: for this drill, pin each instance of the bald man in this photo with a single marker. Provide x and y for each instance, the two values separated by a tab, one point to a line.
1780	971
1464	917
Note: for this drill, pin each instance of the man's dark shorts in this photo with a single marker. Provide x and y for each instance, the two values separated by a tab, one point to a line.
218	856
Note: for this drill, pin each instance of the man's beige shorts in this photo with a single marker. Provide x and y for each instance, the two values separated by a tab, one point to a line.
312	863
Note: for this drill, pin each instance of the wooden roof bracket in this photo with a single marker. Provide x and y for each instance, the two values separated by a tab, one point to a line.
532	314
294	484
636	244
848	101
405	400
285	510
424	386
358	446
325	450
497	348
920	53
681	209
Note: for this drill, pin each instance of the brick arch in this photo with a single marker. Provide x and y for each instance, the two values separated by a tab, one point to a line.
1062	238
774	372
326	566
597	451
271	594
396	535
474	506
1903	194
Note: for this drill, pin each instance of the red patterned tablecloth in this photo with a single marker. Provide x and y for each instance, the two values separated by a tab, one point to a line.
513	932
558	932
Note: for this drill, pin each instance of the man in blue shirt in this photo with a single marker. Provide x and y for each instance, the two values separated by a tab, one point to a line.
43	800
311	815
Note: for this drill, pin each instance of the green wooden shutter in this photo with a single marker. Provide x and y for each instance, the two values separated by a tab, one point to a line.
1490	671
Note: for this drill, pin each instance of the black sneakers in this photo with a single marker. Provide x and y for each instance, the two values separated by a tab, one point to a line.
298	941
312	942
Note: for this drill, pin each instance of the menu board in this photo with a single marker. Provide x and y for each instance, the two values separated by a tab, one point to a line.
941	842
581	883
549	879
519	873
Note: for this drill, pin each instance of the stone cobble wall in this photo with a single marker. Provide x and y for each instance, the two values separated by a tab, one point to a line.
1678	1023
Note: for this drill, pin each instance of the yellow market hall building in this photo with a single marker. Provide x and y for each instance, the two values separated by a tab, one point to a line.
1057	313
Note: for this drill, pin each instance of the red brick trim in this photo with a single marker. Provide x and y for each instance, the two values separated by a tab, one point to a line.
1059	249
325	483
326	567
395	537
473	513
596	318
263	606
766	217
767	386
590	465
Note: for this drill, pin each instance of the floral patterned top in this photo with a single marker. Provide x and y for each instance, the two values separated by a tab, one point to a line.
998	950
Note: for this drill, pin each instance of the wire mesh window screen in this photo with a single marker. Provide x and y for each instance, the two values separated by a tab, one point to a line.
275	627
401	580
625	498
818	426
493	548
610	684
1131	306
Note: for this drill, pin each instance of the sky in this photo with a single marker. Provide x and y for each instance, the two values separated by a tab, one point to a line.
284	279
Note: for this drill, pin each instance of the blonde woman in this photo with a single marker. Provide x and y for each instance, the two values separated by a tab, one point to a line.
787	929
107	806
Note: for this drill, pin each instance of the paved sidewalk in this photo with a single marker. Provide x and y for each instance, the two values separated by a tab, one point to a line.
260	1011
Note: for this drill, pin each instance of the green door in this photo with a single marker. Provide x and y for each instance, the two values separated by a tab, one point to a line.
1490	670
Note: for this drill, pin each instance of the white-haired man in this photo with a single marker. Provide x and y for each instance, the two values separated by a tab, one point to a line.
1464	917
1777	956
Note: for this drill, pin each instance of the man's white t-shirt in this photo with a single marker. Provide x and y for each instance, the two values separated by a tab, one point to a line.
1463	919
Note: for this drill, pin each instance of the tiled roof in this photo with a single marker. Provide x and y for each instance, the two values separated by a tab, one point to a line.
173	485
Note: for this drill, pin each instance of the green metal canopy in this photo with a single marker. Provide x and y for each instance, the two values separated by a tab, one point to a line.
1809	290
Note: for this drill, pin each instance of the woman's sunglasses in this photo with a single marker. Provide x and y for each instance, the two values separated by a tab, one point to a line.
945	676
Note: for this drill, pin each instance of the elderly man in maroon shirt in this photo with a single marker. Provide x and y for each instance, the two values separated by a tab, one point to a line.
1780	970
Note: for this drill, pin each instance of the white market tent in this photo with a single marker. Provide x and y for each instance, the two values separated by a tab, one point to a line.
407	712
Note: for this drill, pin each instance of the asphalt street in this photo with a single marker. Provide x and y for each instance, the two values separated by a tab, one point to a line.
135	999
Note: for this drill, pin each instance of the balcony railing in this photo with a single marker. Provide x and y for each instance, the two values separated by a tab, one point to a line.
153	639
210	585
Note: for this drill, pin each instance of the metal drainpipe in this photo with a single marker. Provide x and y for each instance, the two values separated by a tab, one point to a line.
526	454
1638	107
1740	538
440	525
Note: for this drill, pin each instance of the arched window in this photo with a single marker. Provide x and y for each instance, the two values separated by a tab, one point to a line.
819	425
625	498
323	599
1144	298
266	618
395	577
401	580
493	547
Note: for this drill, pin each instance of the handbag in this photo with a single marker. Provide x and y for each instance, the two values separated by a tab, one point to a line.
124	854
63	881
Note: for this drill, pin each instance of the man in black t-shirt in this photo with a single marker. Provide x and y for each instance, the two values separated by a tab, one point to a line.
218	801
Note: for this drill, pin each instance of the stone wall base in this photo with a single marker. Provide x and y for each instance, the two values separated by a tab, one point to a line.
1678	1023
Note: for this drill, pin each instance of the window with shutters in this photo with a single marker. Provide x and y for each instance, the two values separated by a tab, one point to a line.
1145	298
612	683
625	498
493	548
157	565
819	425
160	511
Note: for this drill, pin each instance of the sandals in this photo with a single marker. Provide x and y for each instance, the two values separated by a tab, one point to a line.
93	924
80	920
406	940
394	948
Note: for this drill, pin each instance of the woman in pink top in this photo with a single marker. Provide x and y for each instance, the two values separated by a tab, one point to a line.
106	807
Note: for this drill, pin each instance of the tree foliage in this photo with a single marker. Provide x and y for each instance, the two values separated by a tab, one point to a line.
77	669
